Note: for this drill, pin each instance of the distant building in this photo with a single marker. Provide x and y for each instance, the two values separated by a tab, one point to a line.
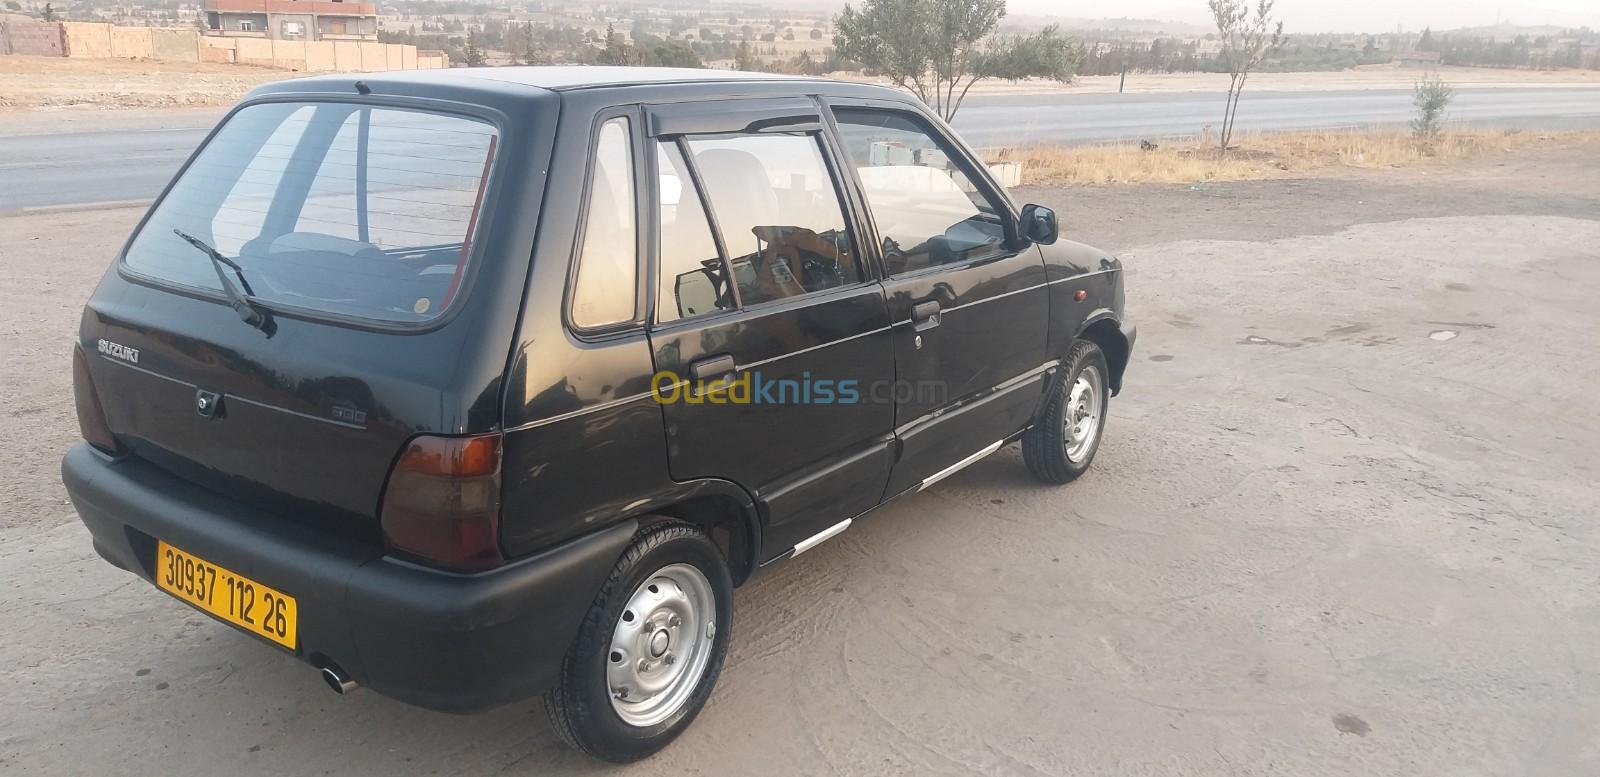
292	19
1418	58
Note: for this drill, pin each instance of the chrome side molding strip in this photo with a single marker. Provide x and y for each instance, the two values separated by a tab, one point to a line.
957	467
818	538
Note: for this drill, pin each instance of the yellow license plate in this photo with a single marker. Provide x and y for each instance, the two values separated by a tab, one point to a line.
263	611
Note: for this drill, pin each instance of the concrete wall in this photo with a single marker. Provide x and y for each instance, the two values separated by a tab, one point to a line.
214	49
346	56
289	54
99	40
24	35
131	43
87	40
373	58
428	59
253	51
175	45
319	56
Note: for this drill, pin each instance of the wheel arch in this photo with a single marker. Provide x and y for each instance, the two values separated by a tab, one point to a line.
1105	331
725	512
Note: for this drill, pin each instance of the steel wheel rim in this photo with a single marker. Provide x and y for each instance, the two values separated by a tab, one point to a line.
1084	411
661	645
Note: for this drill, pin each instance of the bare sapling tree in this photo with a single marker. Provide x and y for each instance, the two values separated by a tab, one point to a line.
937	49
1431	95
1247	34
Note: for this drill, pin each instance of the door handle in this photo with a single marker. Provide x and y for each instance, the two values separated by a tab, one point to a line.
925	315
712	367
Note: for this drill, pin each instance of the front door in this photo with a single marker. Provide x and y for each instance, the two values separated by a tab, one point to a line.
968	308
769	330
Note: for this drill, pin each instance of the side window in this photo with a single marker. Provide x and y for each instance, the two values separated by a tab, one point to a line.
778	209
927	209
691	270
603	293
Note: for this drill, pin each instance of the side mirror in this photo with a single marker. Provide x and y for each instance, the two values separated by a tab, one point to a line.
1038	224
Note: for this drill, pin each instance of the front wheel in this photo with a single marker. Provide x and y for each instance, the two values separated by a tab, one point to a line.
650	649
1066	435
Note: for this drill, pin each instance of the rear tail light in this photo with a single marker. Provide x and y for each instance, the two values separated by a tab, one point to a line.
442	504
91	417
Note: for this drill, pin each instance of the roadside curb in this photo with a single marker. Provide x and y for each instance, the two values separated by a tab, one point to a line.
75	207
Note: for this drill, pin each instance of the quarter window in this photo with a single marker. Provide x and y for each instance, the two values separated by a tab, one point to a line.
927	209
692	280
603	293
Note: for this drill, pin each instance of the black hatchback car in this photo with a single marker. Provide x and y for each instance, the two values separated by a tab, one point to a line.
472	385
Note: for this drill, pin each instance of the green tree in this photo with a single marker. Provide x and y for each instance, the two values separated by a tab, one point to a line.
1431	95
937	49
533	51
13	5
472	55
1247	34
744	59
816	33
671	53
616	51
1425	43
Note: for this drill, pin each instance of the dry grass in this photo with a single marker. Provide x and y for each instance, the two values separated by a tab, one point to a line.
28	83
1268	155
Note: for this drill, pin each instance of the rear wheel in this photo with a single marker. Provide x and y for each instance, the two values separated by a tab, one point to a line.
1066	435
649	652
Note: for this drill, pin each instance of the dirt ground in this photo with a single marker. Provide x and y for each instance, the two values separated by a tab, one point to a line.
55	82
1340	525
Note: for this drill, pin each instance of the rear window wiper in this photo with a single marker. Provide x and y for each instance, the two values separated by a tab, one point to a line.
242	299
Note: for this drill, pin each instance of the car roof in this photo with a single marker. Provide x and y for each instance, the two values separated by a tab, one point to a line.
565	77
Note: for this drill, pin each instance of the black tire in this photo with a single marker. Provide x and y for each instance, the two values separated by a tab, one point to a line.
1045	446
580	704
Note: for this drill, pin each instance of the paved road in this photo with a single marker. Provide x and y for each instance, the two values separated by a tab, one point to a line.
123	158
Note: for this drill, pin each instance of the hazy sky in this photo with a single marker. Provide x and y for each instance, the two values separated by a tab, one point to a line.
1345	16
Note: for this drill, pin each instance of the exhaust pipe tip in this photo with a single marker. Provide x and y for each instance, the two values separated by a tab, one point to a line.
338	680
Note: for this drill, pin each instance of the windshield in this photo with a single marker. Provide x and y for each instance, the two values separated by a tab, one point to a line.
355	210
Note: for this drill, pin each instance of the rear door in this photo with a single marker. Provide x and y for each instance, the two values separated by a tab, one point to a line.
768	329
968	309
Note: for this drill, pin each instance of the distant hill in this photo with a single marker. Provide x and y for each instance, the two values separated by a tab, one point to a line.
1506	30
1123	24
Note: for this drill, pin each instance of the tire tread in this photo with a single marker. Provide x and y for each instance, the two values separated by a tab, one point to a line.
566	704
1042	445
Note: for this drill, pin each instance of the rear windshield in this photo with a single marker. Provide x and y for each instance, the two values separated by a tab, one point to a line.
354	210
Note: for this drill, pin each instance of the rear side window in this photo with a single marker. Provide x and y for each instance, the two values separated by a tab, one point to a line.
354	210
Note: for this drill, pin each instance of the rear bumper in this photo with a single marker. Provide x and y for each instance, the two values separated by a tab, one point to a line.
450	642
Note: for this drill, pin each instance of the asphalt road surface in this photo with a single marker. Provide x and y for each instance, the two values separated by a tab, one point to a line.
127	159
